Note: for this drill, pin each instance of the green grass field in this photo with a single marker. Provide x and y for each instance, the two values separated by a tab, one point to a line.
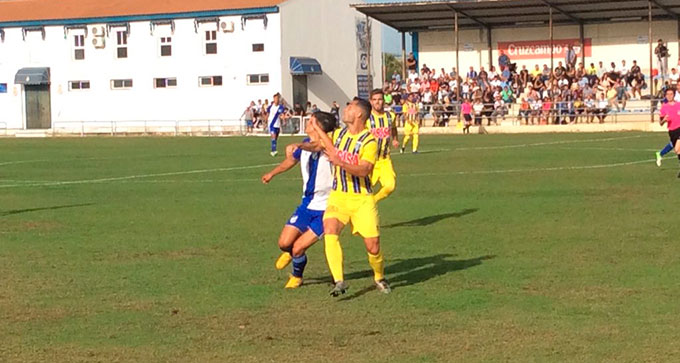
527	248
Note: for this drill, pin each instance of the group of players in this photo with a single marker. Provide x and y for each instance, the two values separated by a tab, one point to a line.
340	167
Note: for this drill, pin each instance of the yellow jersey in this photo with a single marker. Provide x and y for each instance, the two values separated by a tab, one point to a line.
380	127
351	149
410	111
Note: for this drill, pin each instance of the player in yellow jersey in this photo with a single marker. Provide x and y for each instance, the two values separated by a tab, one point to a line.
412	124
353	151
383	127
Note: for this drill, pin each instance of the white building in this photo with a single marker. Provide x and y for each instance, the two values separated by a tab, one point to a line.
175	60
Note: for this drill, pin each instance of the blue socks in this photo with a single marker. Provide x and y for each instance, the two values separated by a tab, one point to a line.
273	145
299	264
667	149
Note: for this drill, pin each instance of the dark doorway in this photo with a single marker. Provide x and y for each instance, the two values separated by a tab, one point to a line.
38	109
300	91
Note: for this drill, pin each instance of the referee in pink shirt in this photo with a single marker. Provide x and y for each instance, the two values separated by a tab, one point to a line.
670	113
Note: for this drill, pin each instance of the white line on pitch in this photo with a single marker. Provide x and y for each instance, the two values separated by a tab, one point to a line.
102	180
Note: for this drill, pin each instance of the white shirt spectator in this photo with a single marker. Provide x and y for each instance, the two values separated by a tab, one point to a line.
427	97
496	82
677	97
412	76
674	76
563	82
413	87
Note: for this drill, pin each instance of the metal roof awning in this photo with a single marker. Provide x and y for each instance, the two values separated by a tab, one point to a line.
303	66
438	15
32	76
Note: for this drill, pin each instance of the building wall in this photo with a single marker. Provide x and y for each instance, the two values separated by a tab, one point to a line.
233	61
325	30
611	42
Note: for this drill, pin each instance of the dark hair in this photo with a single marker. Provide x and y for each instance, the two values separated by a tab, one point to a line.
326	120
376	91
365	107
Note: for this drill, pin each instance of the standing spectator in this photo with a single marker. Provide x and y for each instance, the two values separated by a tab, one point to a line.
249	117
570	58
411	63
472	74
478	108
661	52
503	61
601	70
523	77
335	110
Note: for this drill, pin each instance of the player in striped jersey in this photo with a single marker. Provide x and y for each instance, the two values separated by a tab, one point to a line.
353	151
383	127
305	226
275	112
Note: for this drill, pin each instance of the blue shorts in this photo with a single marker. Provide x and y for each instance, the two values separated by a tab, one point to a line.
304	219
249	123
274	130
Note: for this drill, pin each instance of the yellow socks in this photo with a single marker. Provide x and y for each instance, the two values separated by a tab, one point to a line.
415	142
334	256
378	266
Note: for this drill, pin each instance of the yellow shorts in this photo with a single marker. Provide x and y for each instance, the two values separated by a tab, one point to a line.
360	210
383	172
411	128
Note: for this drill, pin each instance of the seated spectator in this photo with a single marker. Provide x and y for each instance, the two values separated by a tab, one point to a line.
546	111
674	76
602	108
524	111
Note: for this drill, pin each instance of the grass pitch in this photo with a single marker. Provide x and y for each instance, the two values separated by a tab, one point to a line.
499	248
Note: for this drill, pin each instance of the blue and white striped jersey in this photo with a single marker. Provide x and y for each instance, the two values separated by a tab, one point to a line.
317	178
275	113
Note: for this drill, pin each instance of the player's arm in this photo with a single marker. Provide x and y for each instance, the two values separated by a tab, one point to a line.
664	116
322	138
367	158
285	165
395	134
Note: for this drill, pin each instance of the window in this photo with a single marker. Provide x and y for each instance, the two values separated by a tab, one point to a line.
79	47
121	39
258	47
78	85
165	82
121	83
3	87
210	81
166	46
211	42
258	78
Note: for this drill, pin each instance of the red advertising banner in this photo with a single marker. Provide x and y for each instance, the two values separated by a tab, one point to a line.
540	49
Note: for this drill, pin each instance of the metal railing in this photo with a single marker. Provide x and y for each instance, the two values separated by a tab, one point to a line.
205	127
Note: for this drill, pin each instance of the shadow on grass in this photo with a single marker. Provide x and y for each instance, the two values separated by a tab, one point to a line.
21	211
426	221
409	272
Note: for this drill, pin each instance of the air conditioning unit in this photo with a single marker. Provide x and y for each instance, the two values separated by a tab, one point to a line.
99	42
227	27
98	31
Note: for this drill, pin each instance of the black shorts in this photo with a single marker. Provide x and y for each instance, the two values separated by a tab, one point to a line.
675	135
467	117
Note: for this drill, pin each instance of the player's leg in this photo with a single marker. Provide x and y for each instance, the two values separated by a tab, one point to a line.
660	154
274	133
407	136
388	179
289	234
300	246
416	138
365	222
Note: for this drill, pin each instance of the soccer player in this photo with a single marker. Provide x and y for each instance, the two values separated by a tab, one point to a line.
670	113
383	127
412	126
305	226
275	112
353	152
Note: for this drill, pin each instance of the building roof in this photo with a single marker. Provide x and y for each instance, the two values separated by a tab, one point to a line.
439	15
17	12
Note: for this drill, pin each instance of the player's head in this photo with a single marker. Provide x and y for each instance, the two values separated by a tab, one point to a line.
670	95
377	99
277	98
325	120
357	111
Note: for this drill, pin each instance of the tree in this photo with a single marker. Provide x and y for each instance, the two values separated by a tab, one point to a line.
391	63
